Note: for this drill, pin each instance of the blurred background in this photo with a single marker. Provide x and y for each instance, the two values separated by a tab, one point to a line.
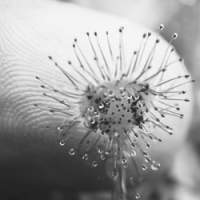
183	180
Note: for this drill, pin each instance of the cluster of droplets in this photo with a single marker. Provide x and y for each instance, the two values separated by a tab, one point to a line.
115	112
72	152
118	111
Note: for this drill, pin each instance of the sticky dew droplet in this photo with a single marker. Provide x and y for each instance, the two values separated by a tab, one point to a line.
137	196
155	166
100	150
72	152
91	109
94	164
62	143
133	153
59	128
124	163
144	167
101	106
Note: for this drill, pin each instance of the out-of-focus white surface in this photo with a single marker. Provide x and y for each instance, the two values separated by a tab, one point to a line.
148	12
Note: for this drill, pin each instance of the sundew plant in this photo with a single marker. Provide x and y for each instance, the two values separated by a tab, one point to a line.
115	99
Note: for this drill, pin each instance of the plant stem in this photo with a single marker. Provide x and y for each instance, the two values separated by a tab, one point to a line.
120	191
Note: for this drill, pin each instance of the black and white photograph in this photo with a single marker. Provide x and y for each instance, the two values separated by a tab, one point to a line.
99	100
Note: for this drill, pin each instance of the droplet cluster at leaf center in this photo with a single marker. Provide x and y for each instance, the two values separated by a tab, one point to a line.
115	107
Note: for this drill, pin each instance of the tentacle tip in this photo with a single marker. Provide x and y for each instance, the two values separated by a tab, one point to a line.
162	27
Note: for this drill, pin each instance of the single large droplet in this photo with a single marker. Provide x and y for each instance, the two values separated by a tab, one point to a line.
100	150
71	152
155	166
125	165
138	196
91	109
133	153
59	128
62	142
116	134
94	163
107	153
92	121
124	162
148	145
144	167
101	106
